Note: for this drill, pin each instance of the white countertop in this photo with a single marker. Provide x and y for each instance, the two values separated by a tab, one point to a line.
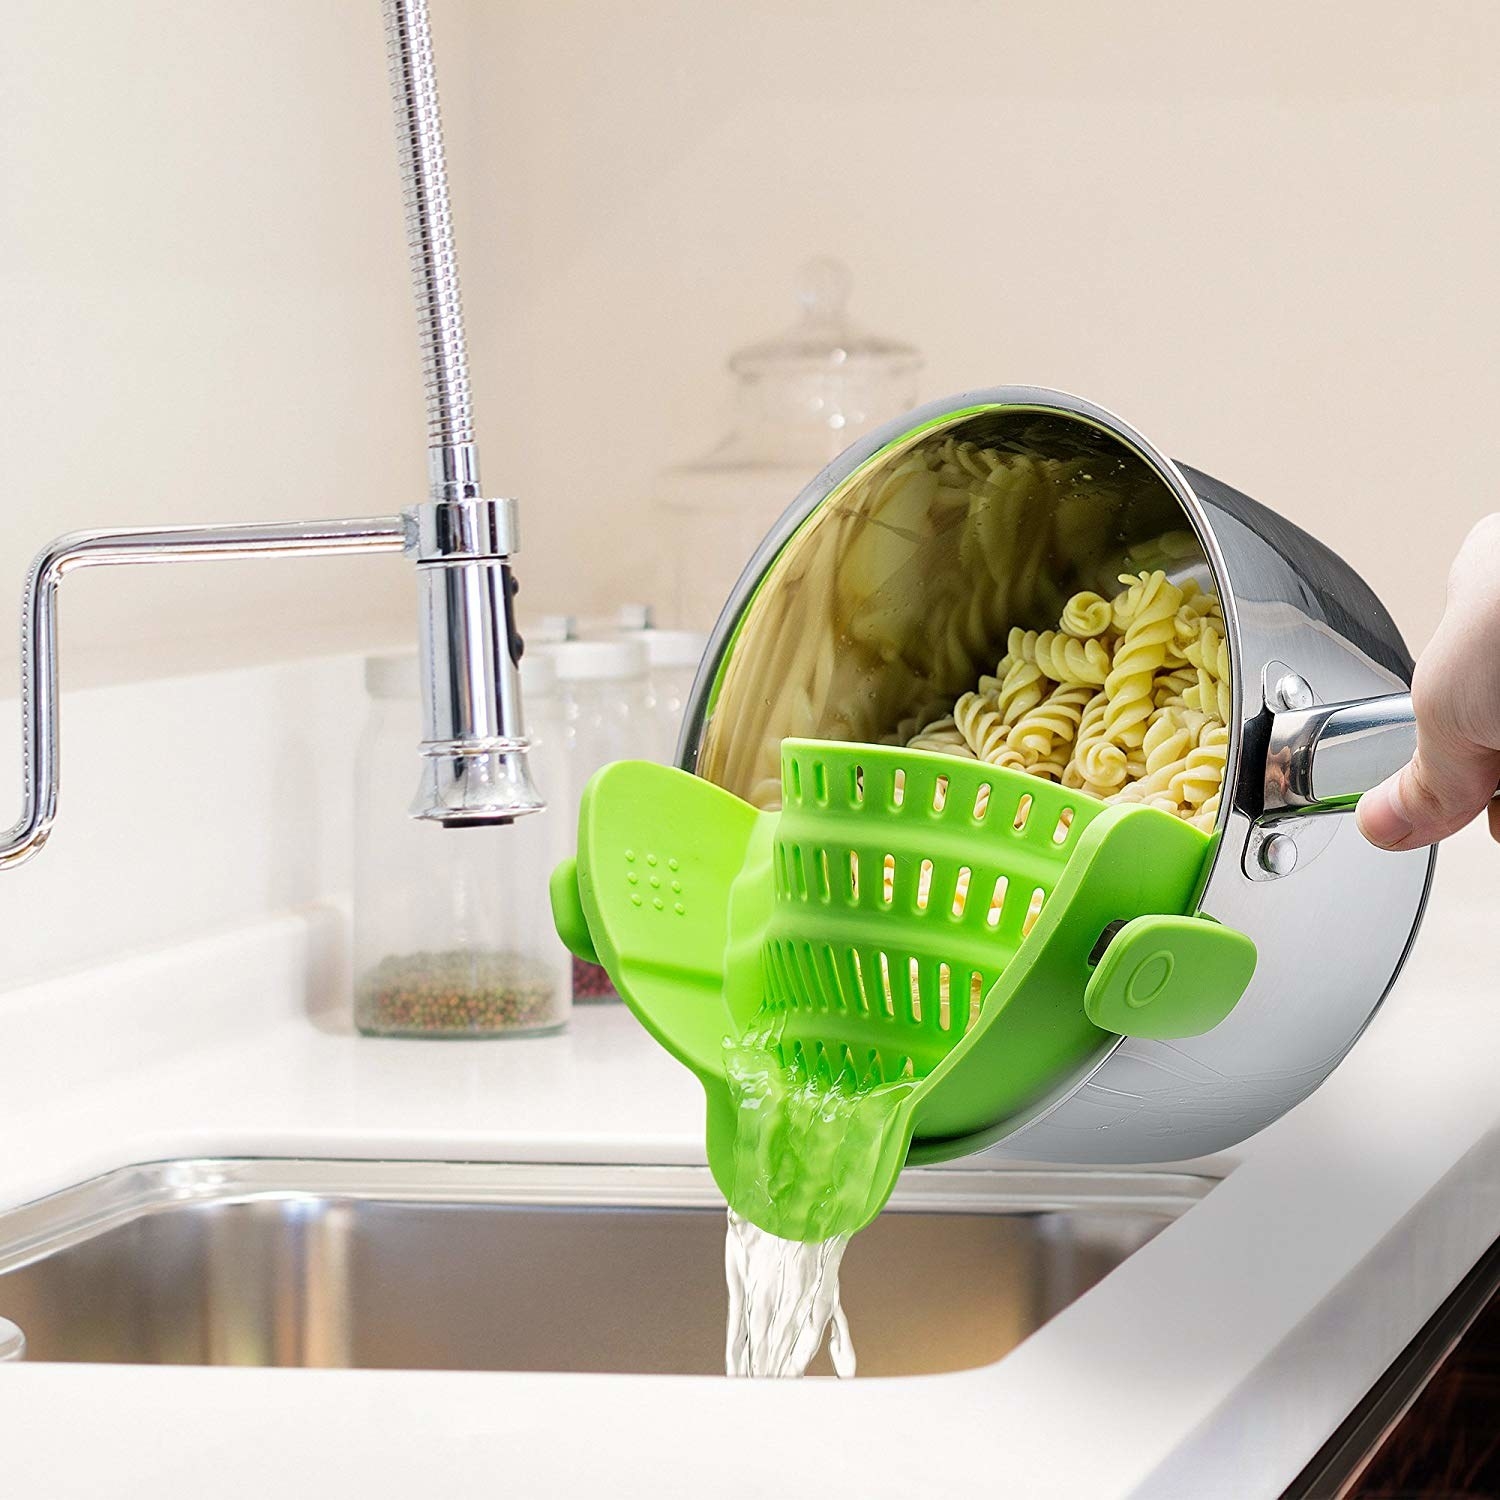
1213	1362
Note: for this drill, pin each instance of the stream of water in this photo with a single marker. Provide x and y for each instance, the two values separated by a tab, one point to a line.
803	1152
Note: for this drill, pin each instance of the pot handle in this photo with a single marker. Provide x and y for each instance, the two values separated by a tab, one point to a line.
1321	759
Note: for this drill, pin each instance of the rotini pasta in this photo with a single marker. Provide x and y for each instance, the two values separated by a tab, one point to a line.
1052	723
977	717
1062	657
1021	689
1087	615
1149	609
942	734
1130	706
890	605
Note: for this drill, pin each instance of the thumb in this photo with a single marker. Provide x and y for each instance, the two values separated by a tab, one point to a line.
1447	783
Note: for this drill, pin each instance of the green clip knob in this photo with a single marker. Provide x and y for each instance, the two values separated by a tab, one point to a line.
1169	976
568	914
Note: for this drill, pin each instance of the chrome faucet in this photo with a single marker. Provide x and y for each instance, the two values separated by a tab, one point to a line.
473	747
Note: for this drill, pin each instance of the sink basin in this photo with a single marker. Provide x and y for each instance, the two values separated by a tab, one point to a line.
438	1265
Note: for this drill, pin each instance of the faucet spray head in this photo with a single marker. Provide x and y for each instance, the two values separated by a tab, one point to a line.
474	767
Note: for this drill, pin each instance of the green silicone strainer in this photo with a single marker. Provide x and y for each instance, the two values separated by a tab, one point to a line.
971	932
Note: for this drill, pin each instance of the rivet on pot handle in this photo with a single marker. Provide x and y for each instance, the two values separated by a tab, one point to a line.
1322	759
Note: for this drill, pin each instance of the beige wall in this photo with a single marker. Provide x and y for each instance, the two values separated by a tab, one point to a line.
204	310
1266	235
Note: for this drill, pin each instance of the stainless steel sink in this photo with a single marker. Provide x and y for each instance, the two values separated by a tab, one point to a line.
437	1265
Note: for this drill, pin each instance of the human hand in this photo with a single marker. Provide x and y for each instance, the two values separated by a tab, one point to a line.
1456	697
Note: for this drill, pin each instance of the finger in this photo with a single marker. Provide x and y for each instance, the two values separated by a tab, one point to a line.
1447	784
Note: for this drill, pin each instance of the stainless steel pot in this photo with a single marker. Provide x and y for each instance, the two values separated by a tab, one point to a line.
863	612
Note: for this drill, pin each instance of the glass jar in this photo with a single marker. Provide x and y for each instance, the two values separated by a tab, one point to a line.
606	716
799	401
453	933
672	658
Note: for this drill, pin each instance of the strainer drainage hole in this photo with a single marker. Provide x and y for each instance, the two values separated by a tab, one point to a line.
961	890
1034	910
997	901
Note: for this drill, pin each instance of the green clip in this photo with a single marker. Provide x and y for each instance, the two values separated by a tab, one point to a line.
1169	976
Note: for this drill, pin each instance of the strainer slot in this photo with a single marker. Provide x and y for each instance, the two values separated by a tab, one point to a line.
820	783
835	985
799	872
981	801
857	969
795	767
1033	911
857	787
961	890
781	979
854	876
940	794
1023	812
829	994
913	971
1064	826
997	901
976	995
887	997
924	884
945	996
898	788
798	995
825	888
800	957
888	879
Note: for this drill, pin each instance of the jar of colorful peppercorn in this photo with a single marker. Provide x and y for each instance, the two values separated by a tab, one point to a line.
453	936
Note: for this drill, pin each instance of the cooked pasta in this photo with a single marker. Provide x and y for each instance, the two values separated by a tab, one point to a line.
942	734
1063	658
892	602
1132	705
977	718
1087	615
1021	689
1052	723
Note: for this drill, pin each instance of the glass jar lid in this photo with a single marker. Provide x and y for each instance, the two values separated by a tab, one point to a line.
671	648
613	660
824	338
